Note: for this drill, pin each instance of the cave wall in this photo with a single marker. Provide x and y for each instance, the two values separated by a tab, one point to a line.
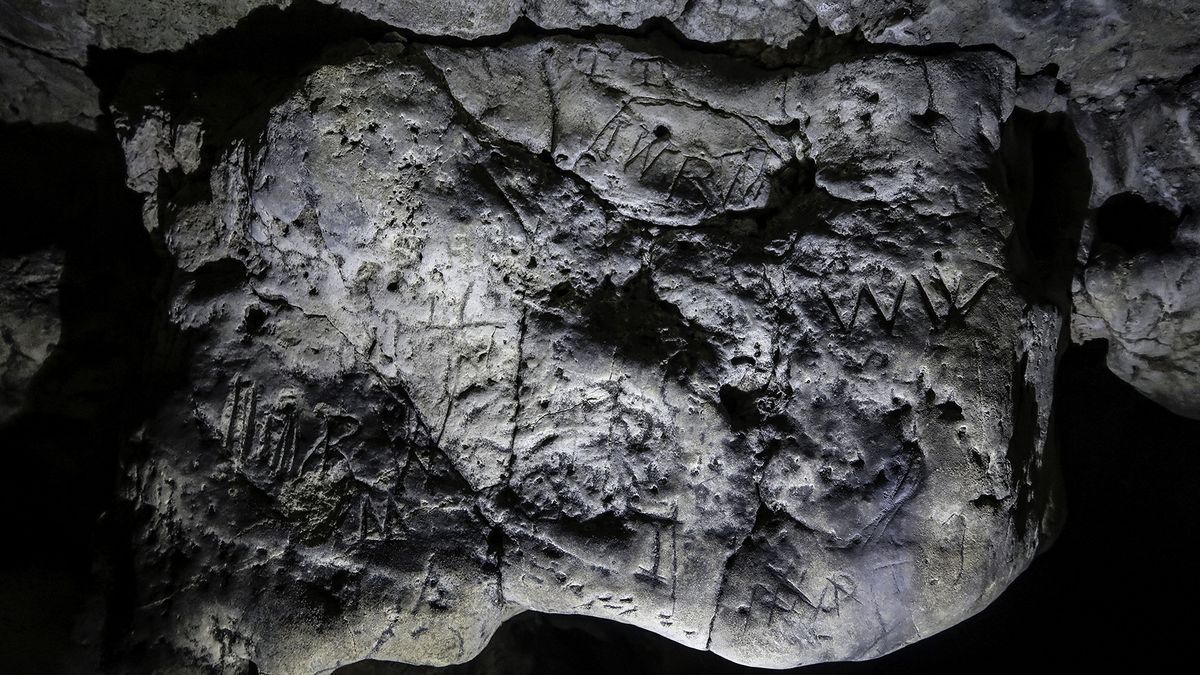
352	331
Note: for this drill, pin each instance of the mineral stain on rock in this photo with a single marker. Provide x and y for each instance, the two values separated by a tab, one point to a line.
735	322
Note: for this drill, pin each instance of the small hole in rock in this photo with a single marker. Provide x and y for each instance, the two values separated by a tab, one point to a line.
254	320
1129	221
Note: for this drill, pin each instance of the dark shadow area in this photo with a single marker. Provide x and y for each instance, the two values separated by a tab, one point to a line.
63	189
1135	225
1048	183
230	80
1107	597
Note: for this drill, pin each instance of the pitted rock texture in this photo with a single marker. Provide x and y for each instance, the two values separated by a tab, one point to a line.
1139	286
736	321
1102	47
1148	309
724	352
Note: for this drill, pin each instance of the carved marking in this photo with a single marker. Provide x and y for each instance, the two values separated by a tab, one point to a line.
593	62
793	587
886	319
892	567
336	428
279	440
763	595
382	522
958	526
837	587
643	150
653	71
266	444
243	406
700	170
424	585
664	560
958	303
724	166
611	129
773	597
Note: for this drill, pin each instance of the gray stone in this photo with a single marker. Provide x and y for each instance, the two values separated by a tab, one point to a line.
29	324
1101	47
43	48
42	90
725	353
56	28
155	25
1148	309
746	337
1139	284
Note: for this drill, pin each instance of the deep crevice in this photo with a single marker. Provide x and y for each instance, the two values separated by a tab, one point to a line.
1044	172
1129	222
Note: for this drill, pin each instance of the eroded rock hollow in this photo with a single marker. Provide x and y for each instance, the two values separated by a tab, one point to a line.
737	322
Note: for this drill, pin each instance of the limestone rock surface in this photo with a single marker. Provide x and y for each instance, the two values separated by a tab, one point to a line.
725	352
736	320
1139	285
1102	47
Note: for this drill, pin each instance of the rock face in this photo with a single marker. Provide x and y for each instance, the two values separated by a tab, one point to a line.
29	323
734	321
43	48
1139	287
727	353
